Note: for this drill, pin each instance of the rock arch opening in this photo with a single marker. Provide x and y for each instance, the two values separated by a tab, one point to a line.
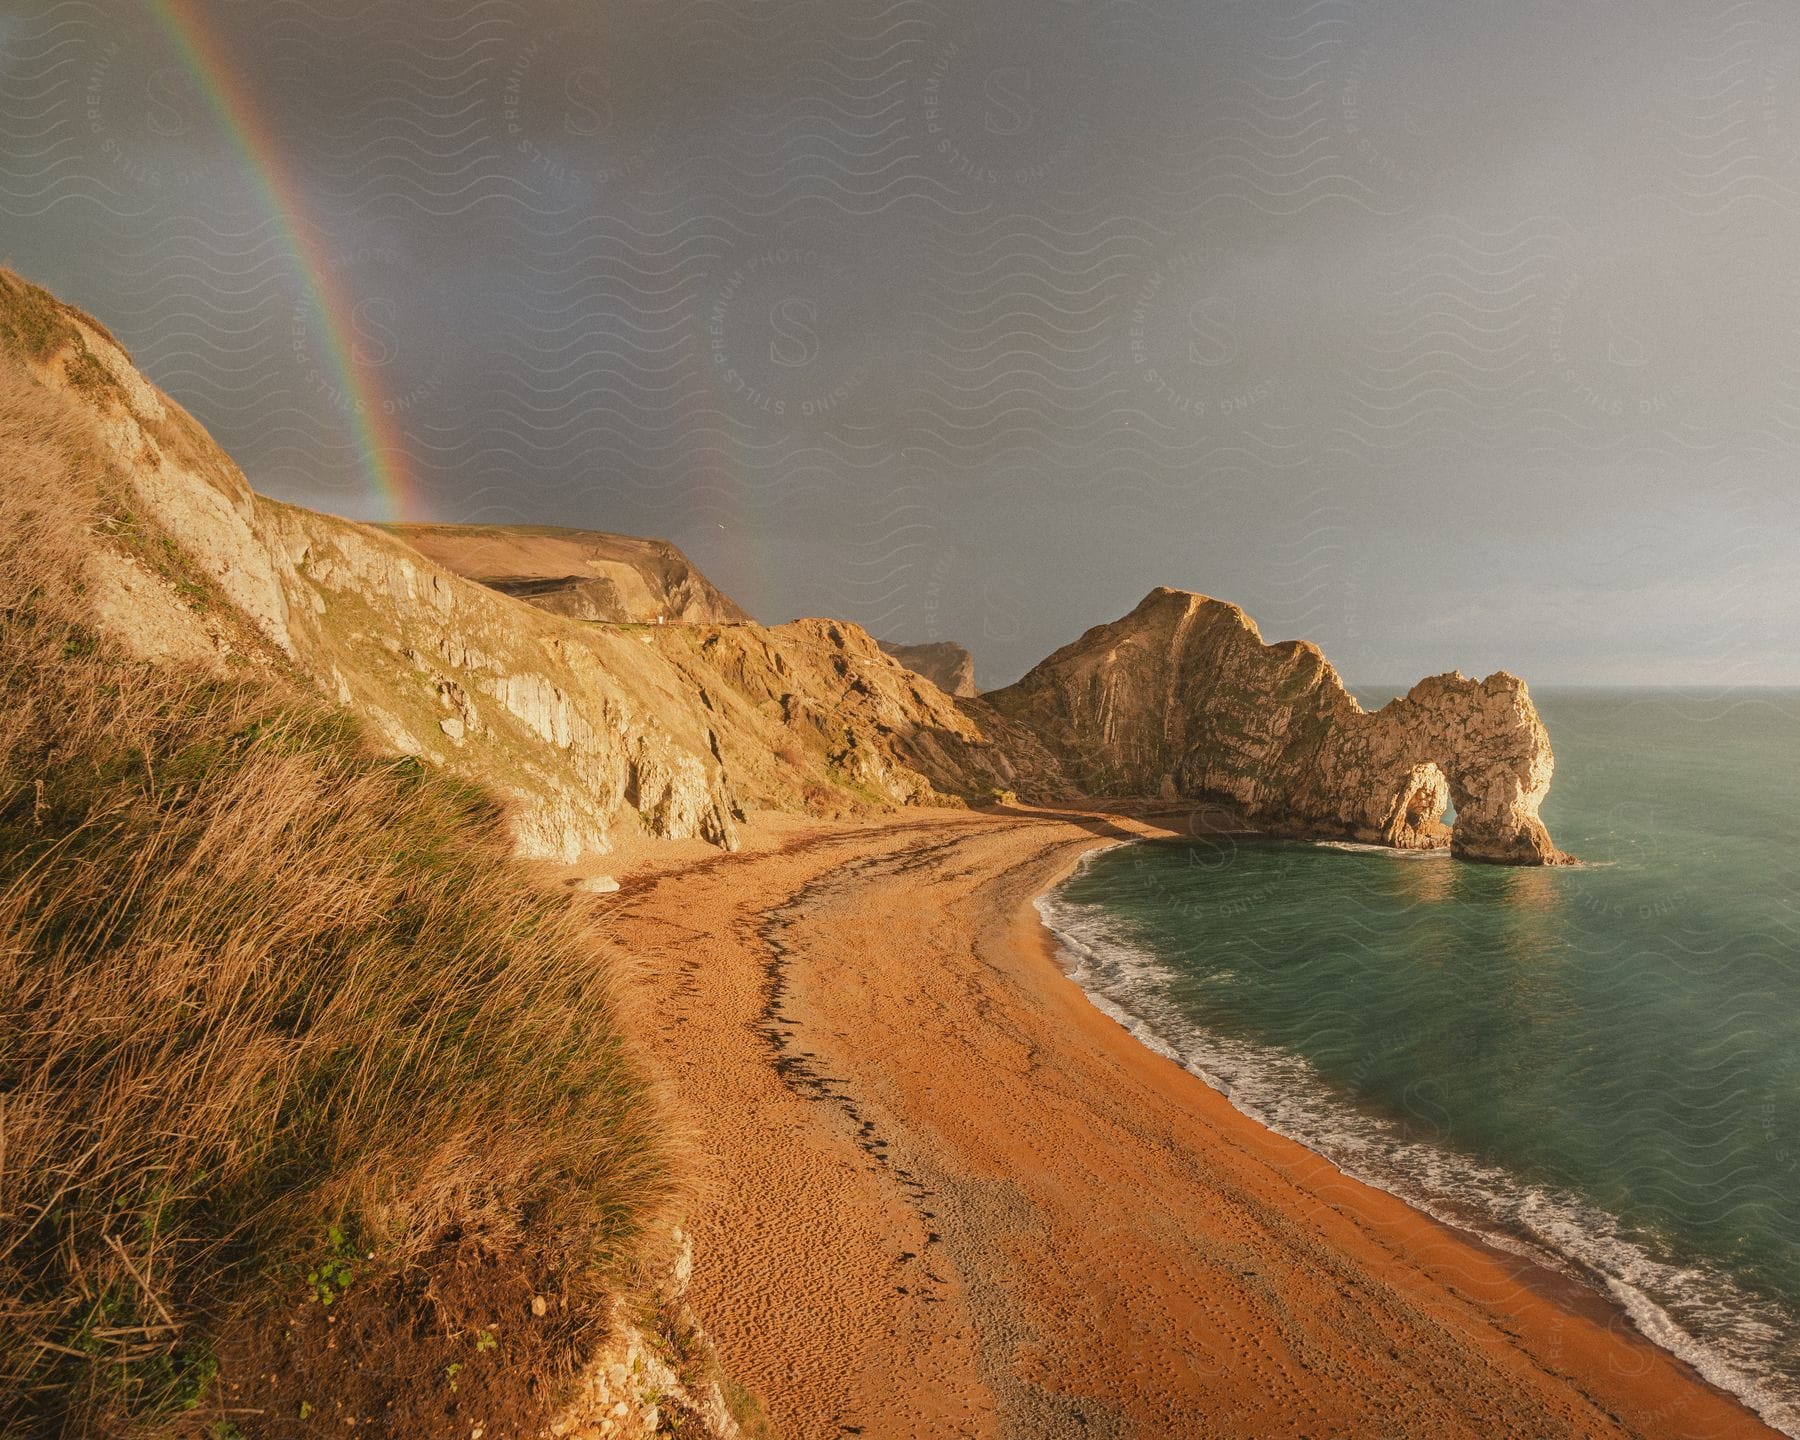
1417	818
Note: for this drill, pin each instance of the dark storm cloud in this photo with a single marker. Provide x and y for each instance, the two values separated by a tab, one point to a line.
1444	334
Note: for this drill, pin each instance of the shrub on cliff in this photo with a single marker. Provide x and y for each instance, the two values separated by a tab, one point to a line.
276	1022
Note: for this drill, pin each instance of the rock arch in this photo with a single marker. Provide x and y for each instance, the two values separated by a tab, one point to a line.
1477	744
1416	819
1183	696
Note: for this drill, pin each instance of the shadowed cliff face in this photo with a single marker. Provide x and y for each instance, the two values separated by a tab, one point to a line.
584	574
943	662
1181	698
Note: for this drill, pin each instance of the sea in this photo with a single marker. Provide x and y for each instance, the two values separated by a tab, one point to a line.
1596	1067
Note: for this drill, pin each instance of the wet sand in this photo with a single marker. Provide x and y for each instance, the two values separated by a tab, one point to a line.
946	1196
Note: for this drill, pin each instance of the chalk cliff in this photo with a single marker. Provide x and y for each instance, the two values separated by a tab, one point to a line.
585	725
943	662
585	574
585	730
1181	698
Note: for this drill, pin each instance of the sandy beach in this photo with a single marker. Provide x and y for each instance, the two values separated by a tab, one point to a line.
946	1196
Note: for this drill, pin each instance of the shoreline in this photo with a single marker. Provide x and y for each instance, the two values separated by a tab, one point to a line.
1567	1281
946	1194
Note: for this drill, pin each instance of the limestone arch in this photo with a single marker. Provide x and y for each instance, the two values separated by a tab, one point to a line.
1415	819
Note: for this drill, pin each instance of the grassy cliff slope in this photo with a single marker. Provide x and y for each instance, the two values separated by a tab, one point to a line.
305	1098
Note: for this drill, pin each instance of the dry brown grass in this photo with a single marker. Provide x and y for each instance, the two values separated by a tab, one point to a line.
256	982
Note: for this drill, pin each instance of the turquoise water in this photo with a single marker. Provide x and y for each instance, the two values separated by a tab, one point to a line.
1599	1067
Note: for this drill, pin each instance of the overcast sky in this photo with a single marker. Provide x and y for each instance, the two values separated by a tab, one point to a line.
1445	334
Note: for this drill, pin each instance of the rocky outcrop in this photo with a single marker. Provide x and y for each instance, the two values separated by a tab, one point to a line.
827	698
645	1381
943	662
584	574
1182	699
464	678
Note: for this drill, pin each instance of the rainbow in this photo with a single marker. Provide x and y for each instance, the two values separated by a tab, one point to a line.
377	437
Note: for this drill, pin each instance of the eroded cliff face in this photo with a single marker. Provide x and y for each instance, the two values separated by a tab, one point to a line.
585	730
584	727
556	719
943	662
584	574
1181	698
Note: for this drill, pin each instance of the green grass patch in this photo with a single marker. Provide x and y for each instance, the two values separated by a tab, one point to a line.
270	1002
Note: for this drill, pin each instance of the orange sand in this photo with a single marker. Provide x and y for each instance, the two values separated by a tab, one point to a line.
946	1196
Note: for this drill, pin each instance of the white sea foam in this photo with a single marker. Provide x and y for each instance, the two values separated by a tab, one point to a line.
1388	852
1357	847
1735	1340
